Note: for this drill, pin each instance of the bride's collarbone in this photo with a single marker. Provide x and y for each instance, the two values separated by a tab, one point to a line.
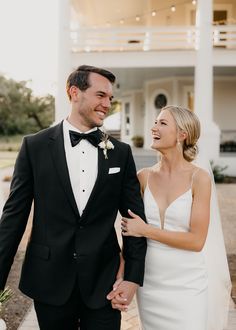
166	191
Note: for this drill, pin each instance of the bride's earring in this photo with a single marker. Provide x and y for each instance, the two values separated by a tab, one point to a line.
179	146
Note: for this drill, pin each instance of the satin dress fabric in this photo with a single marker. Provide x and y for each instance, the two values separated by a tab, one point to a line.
174	294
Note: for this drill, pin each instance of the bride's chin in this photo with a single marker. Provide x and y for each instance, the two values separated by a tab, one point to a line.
154	146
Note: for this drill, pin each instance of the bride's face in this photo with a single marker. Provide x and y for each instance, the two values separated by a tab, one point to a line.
164	132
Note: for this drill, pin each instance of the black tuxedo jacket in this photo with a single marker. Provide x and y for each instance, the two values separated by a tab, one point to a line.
65	246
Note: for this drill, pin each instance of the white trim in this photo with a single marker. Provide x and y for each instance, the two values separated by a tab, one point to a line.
130	92
224	78
127	137
186	78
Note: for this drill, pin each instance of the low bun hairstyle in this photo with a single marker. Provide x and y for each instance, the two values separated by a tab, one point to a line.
186	121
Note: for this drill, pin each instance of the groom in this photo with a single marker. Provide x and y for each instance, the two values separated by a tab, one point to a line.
78	178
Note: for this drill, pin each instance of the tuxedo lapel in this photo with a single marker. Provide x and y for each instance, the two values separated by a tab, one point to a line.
57	148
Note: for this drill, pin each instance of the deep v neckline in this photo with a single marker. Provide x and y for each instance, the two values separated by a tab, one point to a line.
162	219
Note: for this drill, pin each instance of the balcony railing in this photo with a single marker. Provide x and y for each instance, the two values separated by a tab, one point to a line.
224	36
148	38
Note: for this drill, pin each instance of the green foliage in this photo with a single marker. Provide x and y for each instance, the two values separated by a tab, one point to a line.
5	295
138	141
218	172
20	111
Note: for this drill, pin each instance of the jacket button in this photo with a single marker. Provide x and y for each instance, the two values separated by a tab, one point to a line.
75	255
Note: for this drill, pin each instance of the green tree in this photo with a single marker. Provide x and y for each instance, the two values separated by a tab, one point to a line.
20	111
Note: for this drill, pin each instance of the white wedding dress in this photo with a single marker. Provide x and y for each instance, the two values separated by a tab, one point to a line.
174	293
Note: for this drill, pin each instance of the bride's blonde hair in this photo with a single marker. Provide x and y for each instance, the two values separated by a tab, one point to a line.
186	121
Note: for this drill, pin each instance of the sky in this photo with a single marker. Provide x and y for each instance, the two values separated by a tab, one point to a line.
28	42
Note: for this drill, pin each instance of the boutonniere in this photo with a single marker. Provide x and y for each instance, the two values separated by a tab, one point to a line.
106	144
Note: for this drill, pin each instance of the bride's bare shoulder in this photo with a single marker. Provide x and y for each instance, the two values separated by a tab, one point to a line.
201	177
143	175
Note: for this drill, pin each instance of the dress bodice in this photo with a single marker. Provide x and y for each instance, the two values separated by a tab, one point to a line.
177	214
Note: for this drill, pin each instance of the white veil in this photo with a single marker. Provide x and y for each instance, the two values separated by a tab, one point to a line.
219	287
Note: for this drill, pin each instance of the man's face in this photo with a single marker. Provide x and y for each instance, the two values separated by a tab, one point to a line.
93	104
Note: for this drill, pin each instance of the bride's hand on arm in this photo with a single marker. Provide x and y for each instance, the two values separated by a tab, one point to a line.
134	226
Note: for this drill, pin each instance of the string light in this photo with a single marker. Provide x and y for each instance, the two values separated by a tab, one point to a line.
153	13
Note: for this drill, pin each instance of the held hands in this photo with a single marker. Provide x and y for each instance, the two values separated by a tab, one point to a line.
122	294
123	291
134	226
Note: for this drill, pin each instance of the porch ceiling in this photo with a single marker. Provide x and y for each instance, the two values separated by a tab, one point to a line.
134	78
97	13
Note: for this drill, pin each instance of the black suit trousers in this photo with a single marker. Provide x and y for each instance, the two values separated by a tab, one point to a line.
74	314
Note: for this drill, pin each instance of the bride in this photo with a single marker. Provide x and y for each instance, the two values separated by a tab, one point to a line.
181	279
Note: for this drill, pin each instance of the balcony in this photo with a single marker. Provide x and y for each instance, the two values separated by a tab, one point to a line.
128	39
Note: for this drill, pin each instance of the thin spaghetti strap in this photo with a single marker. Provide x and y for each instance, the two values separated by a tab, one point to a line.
194	172
146	179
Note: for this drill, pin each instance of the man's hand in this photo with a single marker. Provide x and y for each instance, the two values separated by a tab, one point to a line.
122	295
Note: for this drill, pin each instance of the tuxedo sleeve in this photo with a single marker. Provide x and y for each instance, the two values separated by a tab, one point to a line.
134	248
15	212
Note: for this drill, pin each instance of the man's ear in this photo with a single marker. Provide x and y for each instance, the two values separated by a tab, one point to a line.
73	91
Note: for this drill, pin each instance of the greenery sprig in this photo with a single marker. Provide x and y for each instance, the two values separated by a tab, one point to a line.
5	295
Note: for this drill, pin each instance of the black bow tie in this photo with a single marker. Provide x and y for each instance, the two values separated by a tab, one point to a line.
93	137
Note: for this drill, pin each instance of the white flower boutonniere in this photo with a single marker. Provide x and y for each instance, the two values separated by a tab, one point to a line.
106	144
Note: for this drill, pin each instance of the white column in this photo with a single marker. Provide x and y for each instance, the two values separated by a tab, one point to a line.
203	85
149	117
64	60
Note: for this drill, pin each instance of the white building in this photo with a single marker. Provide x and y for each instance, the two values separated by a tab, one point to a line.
161	51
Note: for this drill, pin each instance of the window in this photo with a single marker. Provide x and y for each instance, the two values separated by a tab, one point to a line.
160	101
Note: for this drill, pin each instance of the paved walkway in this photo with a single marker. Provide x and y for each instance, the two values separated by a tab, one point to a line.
129	320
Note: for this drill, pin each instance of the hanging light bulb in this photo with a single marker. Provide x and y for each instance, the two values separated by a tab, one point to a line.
194	2
173	8
137	18
154	13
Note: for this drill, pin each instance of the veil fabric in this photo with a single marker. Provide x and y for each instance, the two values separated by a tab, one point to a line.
219	283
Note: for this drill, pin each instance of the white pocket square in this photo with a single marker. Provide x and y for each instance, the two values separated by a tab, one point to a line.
113	170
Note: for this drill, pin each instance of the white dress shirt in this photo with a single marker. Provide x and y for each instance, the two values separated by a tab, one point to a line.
82	162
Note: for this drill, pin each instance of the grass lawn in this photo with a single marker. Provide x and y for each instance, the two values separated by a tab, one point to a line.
9	147
10	143
6	162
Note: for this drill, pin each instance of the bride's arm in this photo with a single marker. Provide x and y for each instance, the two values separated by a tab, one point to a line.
195	238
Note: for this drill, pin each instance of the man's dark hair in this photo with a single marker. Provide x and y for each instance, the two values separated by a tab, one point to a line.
80	77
